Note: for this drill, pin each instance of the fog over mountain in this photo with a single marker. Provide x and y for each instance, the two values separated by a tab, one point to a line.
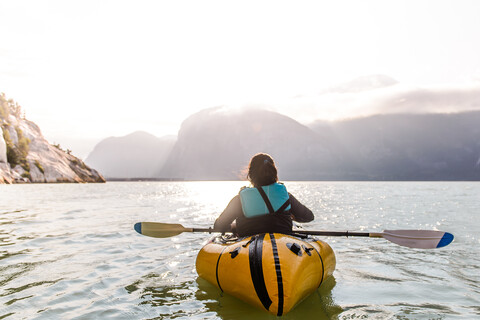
137	155
379	94
405	133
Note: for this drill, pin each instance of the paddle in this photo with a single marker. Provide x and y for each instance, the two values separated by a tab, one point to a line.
422	239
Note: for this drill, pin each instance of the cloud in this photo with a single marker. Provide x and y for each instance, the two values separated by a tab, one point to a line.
363	83
431	99
367	96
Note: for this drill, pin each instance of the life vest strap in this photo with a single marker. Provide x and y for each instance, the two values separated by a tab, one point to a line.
265	198
284	206
269	204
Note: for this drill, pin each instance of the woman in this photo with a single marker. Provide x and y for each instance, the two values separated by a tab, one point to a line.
266	207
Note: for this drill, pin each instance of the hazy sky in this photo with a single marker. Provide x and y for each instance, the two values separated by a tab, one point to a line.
86	70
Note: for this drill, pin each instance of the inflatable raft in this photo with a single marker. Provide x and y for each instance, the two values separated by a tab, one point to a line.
271	271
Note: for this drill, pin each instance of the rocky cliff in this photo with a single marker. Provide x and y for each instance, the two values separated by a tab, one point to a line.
26	156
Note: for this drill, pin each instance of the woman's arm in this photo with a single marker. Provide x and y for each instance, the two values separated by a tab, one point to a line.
231	212
300	212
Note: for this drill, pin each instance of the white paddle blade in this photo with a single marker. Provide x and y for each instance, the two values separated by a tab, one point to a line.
421	239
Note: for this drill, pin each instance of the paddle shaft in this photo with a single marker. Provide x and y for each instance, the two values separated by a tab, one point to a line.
209	230
305	232
339	233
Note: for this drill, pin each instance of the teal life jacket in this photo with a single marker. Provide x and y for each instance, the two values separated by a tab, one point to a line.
264	200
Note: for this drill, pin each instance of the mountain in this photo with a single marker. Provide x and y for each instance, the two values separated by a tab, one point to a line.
409	146
137	155
26	156
217	143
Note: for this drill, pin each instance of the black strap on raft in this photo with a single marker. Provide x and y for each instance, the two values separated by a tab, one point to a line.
216	269
279	275
269	204
256	270
323	266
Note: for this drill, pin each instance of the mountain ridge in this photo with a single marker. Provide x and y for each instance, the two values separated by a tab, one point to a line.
217	143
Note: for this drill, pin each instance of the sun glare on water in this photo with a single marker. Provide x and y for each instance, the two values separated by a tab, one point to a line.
207	199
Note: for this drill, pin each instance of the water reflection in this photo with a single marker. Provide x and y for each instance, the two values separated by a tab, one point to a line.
170	301
319	305
199	299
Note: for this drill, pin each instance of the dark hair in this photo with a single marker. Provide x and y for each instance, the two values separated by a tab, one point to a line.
262	170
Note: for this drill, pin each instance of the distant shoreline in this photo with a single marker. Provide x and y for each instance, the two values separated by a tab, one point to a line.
332	180
144	179
218	180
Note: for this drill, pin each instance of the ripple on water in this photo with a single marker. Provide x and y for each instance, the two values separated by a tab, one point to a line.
12	272
70	252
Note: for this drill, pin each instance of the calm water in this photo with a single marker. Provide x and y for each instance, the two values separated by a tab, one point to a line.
70	252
